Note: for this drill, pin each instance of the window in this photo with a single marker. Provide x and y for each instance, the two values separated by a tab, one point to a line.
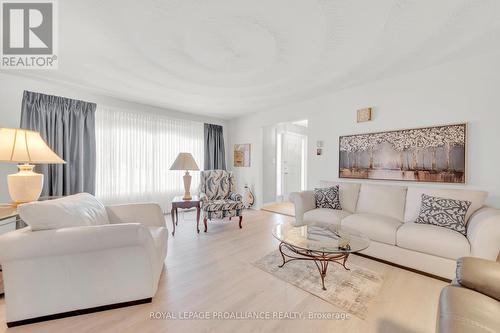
135	151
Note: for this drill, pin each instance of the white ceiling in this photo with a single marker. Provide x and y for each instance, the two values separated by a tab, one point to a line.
228	57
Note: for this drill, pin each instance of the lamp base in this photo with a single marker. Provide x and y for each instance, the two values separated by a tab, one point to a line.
187	186
26	185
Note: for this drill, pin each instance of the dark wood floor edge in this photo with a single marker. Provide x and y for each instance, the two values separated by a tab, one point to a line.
78	312
413	270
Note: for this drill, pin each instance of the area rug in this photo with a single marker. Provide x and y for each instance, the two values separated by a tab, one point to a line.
351	291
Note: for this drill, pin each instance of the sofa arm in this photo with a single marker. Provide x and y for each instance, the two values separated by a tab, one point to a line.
27	244
303	201
148	214
483	233
480	275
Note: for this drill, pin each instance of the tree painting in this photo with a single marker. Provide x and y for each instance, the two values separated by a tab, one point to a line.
432	154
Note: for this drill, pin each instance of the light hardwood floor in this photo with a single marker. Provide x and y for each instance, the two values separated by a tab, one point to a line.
213	272
284	208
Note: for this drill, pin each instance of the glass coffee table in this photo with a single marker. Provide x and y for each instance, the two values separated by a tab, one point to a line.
319	243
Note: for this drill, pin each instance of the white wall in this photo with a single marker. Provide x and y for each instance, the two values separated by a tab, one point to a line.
454	92
464	91
11	94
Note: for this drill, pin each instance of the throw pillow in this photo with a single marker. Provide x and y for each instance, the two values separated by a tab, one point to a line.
327	197
442	212
81	209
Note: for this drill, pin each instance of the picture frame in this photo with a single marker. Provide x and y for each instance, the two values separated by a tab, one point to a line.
364	115
426	154
242	155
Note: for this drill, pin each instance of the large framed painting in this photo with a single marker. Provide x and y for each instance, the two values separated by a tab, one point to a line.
430	154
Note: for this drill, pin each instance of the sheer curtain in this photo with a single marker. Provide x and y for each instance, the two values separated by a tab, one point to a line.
134	153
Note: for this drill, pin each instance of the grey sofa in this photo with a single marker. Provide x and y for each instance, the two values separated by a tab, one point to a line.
471	304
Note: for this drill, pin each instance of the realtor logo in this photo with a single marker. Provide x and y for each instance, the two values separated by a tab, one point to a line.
28	35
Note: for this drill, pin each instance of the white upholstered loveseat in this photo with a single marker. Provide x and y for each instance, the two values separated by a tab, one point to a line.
115	260
386	214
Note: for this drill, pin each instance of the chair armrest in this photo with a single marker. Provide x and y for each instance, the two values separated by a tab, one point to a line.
148	214
483	233
480	275
303	201
235	196
25	244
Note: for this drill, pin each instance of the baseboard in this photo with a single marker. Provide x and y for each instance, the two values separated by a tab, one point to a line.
413	270
78	312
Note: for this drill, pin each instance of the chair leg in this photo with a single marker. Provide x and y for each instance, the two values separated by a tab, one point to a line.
205	223
241	219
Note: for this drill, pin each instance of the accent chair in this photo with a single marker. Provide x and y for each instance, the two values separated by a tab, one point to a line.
218	196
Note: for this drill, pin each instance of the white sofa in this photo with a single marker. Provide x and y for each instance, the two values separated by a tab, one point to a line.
386	214
115	260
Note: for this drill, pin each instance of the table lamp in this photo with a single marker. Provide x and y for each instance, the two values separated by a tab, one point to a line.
185	161
26	148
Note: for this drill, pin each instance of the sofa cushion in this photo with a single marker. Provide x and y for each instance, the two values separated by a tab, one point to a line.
382	200
81	209
414	200
348	193
222	204
327	197
432	240
378	228
442	212
324	215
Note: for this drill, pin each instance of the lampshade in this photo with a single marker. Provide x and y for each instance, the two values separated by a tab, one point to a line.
24	146
184	161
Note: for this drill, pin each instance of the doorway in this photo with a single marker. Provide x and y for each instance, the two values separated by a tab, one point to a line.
291	164
285	164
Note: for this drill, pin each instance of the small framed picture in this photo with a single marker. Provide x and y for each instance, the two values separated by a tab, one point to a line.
242	155
364	115
319	151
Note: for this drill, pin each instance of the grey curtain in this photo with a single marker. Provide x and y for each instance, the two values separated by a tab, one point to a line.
68	126
215	155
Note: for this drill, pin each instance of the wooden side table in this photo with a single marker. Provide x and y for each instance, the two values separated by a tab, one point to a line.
178	202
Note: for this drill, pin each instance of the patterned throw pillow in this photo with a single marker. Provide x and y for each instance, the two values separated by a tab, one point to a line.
447	213
327	197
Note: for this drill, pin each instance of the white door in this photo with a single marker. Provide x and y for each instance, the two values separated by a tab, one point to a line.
293	163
